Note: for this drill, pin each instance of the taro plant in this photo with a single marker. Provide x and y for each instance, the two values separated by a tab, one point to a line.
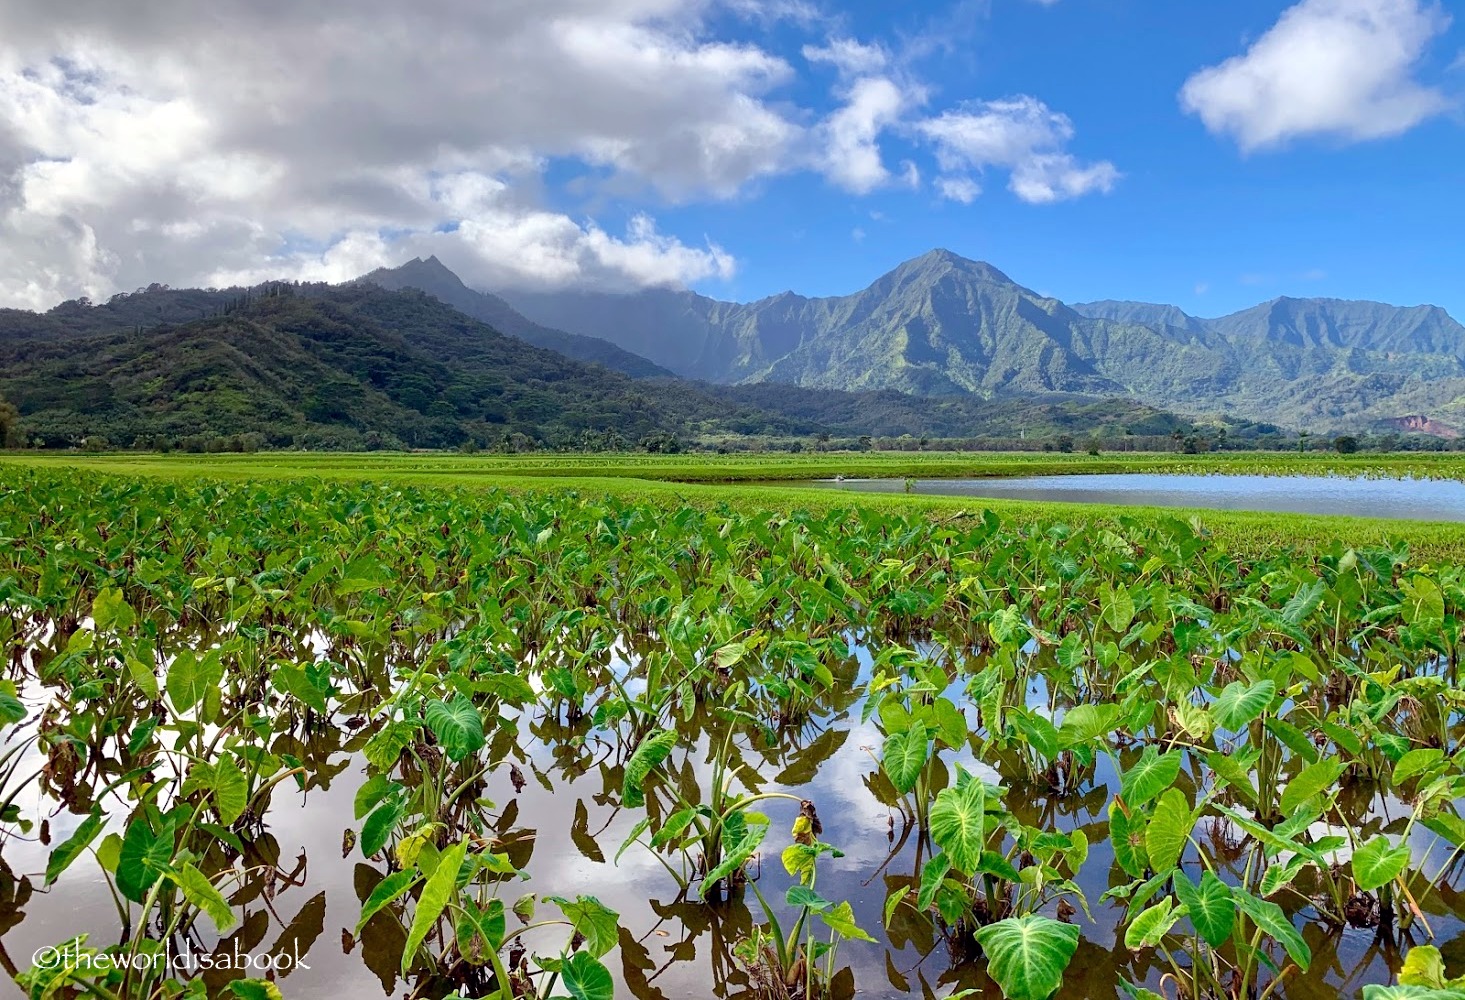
714	829
459	926
799	962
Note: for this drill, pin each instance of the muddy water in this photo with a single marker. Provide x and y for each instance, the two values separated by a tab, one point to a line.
565	829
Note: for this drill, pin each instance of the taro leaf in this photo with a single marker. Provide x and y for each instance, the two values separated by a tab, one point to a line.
586	978
1304	603
1117	608
144	857
1212	911
201	893
841	920
1240	703
379	825
480	930
1085	724
109	852
1311	781
1425	966
1149	776
1299	742
1126	833
737	855
191	678
998	866
675	825
387	891
648	756
1041	734
64	853
800	896
372	791
1376	863
958	824
593	920
1425	602
1027	955
1234	774
951	724
905	755
1273	839
891	903
388	742
1168	830
1448	826
291	679
142	675
1346	739
457	726
933	873
1149	928
230	789
642	825
799	860
255	989
1279	876
1415	762
1139	992
730	655
1274	923
111	613
436	893
1411	993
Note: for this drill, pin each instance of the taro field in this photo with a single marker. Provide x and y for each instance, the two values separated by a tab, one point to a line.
432	742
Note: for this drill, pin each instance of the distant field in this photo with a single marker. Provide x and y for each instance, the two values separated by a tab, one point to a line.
702	468
752	483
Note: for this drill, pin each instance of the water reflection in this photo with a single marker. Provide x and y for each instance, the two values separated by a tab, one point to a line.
552	803
1404	499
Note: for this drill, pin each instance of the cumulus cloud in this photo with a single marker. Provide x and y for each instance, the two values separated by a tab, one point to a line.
960	189
849	147
1328	67
153	142
192	143
1022	136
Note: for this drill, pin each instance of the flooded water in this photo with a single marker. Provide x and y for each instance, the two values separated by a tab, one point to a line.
564	826
1404	499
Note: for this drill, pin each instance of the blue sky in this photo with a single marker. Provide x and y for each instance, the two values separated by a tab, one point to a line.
1194	219
1211	155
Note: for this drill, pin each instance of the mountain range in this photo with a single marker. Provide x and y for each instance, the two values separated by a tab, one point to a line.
361	366
941	325
941	346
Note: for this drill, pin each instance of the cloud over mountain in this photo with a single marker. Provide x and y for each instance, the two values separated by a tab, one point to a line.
210	143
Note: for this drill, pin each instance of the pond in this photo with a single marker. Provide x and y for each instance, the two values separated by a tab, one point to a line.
1403	499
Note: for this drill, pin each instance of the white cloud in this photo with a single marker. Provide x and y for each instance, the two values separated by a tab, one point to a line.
191	143
1020	135
849	151
962	189
177	142
1328	67
850	57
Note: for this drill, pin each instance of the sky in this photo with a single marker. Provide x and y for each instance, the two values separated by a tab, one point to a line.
1210	155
